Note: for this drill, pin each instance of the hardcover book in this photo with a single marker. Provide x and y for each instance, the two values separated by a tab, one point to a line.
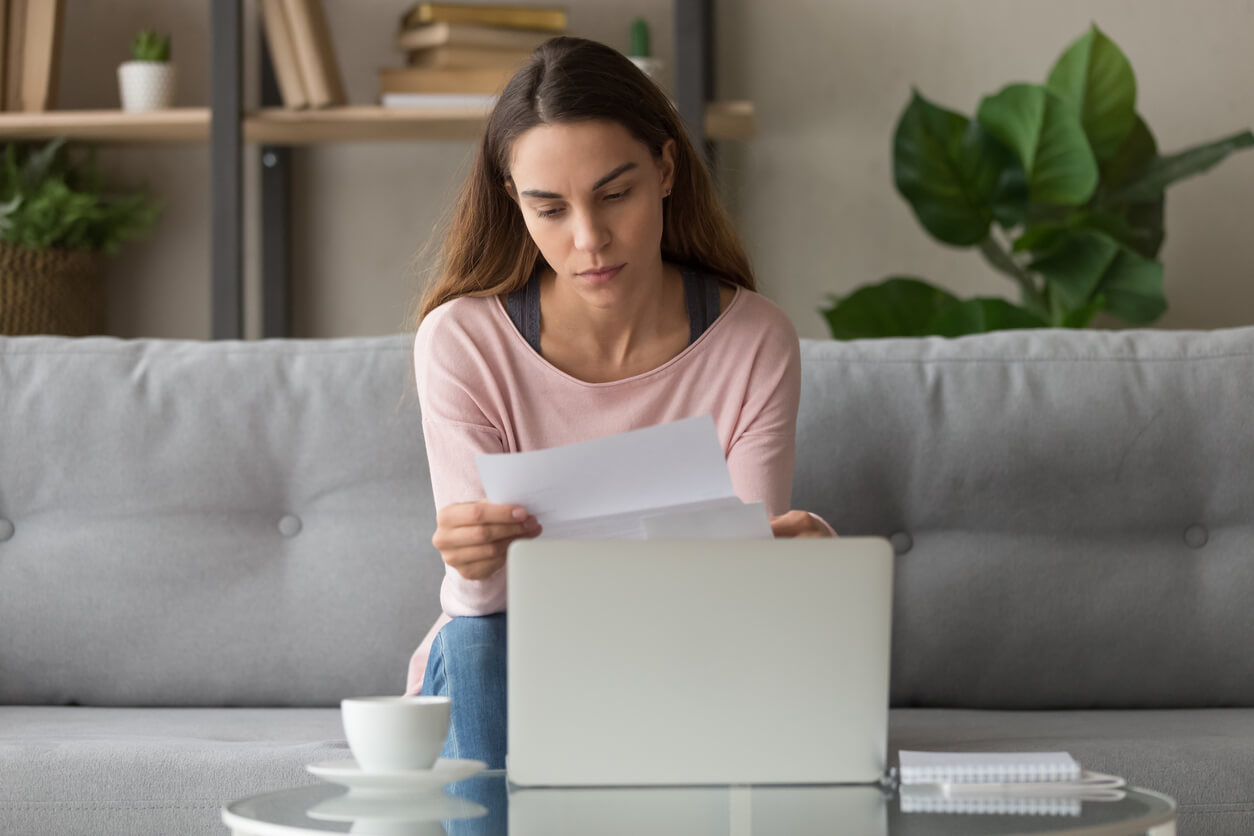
283	54
450	80
551	18
469	35
311	40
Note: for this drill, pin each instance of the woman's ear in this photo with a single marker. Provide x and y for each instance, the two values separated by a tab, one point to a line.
666	166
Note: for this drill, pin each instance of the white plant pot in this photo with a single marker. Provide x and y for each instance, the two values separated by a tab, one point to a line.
146	85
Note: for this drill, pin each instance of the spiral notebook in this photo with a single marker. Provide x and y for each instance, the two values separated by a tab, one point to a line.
924	799
987	767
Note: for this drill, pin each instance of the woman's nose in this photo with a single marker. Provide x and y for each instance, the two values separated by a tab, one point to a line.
591	232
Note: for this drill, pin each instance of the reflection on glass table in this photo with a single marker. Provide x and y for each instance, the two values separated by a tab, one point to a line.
487	805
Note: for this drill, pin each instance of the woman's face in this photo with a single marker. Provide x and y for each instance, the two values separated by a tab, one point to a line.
591	196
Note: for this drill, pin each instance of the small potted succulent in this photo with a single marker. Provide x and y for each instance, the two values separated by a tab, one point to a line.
147	80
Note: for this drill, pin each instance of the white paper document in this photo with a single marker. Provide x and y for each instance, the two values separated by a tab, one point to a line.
668	481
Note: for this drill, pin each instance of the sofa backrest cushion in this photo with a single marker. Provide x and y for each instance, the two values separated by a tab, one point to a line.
1073	511
233	523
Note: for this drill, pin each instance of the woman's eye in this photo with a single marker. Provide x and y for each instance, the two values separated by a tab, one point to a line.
617	195
548	213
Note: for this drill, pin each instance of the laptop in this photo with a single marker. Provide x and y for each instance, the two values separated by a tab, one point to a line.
698	662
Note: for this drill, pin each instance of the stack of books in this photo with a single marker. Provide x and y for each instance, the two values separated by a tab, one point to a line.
299	41
464	53
30	47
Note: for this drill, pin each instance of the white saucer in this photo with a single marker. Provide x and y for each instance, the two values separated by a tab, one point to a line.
347	773
395	809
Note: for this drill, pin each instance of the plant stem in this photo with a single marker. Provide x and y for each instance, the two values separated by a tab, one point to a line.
995	254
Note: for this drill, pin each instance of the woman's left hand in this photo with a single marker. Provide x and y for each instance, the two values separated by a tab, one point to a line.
798	524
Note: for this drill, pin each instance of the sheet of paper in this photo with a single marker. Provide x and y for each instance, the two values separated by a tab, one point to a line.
733	520
607	487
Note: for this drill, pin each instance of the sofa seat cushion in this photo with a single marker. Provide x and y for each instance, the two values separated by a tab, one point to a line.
72	769
1202	758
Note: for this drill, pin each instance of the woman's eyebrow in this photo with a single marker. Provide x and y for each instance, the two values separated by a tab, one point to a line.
622	169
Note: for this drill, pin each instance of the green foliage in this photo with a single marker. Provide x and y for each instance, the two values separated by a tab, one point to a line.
1061	187
51	200
149	46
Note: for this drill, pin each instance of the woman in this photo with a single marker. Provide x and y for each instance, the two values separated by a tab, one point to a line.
590	284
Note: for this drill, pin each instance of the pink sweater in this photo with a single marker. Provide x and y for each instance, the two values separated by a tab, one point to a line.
483	389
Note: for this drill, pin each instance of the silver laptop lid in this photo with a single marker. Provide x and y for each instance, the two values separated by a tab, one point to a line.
638	662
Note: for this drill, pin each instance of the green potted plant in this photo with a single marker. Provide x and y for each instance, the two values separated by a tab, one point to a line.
56	218
147	80
1061	188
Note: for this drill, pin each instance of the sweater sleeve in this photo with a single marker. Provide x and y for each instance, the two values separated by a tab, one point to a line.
761	455
455	429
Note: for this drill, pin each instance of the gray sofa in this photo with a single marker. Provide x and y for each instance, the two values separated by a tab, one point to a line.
205	546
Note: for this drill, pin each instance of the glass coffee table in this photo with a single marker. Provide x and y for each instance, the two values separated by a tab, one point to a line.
486	805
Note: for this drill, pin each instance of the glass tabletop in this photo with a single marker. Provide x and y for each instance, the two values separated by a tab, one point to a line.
486	805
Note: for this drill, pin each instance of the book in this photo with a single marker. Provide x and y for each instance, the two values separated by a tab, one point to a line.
41	54
451	80
15	35
549	19
283	54
315	55
437	100
986	767
469	35
468	56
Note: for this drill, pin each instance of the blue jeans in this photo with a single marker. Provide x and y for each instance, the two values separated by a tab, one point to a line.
467	664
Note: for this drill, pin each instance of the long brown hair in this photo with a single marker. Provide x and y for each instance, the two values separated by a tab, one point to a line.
487	250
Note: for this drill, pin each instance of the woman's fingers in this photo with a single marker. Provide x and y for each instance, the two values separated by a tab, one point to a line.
475	513
797	524
479	533
472	537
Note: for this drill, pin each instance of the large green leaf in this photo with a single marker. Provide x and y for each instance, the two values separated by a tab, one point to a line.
977	316
1095	79
1074	269
1048	139
1164	171
1136	152
950	170
897	307
1011	201
1142	223
1133	287
1139	227
1089	263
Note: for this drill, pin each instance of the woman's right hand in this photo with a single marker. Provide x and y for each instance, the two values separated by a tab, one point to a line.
472	536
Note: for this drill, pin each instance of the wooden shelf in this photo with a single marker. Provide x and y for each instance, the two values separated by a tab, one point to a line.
180	124
278	126
365	123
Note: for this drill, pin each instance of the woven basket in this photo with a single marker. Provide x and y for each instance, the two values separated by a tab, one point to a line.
50	292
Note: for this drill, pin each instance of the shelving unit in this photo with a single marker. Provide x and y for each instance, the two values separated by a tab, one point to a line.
280	126
227	127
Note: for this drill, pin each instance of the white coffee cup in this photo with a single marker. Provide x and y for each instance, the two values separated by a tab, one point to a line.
395	733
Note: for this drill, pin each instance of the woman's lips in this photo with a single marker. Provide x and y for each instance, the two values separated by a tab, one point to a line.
601	276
